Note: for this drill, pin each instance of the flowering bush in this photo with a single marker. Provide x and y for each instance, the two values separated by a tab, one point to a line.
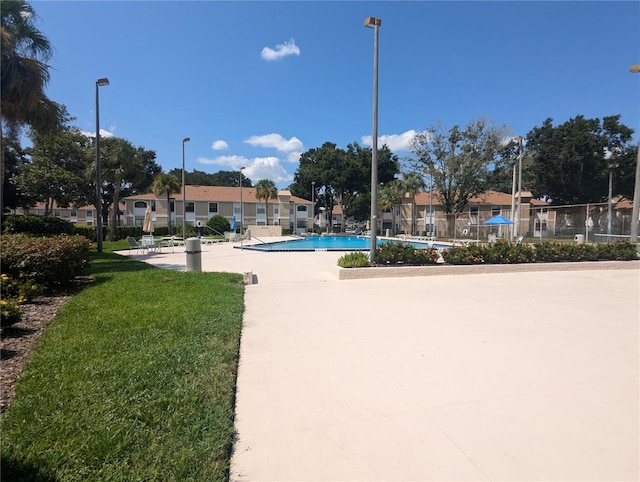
48	262
404	253
471	254
621	251
502	252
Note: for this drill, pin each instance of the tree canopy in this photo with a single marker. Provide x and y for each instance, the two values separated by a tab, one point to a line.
459	160
570	163
341	177
220	178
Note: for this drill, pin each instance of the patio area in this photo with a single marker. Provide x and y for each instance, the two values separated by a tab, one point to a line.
487	376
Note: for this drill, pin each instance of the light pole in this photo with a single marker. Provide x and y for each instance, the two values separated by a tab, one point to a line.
374	23
313	206
184	193
636	189
241	206
610	205
520	154
99	83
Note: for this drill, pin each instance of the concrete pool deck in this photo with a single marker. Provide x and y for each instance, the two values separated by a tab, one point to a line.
487	376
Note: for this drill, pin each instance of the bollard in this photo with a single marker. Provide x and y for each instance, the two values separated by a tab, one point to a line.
579	238
194	254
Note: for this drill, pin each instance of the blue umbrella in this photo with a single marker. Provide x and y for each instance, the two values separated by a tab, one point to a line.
233	223
499	219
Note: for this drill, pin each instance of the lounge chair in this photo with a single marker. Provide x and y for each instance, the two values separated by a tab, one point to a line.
133	244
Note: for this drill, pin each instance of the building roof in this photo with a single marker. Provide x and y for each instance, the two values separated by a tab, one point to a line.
220	194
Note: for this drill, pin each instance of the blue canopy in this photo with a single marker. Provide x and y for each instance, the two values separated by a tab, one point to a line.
499	219
233	223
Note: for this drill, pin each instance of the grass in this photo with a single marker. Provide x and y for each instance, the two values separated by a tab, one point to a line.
134	380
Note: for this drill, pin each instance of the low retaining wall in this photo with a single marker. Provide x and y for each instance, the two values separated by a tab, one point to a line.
445	269
265	231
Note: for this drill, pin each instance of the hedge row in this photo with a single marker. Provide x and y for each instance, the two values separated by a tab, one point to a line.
51	226
503	252
50	262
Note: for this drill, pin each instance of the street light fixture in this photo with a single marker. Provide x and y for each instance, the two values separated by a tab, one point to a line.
636	189
184	193
99	83
374	23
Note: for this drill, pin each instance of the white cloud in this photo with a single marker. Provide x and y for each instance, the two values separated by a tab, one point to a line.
235	162
281	51
268	168
219	145
255	169
276	141
396	142
103	133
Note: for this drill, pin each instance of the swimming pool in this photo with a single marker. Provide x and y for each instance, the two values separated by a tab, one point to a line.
332	243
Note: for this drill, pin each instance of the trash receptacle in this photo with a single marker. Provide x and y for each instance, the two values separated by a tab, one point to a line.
194	254
579	238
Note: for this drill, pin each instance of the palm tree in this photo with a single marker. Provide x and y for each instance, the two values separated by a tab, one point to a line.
266	189
389	197
166	184
412	183
24	75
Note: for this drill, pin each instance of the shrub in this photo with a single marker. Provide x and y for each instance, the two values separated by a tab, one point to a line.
502	252
357	259
36	225
49	262
551	252
9	312
218	224
88	232
621	250
471	254
404	253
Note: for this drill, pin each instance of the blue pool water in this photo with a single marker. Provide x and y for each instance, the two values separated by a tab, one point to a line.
331	243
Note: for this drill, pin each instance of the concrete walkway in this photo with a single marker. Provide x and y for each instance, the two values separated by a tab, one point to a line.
514	376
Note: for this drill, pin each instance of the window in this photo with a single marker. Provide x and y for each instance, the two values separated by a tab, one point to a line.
301	208
173	206
213	208
140	205
89	218
56	213
260	209
190	207
495	211
74	213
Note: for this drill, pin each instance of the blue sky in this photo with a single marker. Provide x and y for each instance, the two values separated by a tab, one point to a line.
254	84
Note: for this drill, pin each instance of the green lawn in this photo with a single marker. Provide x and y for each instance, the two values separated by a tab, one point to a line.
134	380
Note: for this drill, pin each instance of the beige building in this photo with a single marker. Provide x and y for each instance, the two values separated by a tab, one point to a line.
204	202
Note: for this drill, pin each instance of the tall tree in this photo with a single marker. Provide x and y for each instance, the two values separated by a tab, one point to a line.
266	189
389	197
166	184
341	177
459	159
56	173
126	170
570	163
24	74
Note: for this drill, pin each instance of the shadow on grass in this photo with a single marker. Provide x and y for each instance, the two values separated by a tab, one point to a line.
18	471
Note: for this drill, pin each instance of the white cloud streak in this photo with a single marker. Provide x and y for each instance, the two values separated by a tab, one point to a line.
396	142
276	141
219	145
281	51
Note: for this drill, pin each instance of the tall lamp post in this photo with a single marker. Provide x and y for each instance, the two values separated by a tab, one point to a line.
99	83
184	193
313	206
519	208
636	189
241	206
374	23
